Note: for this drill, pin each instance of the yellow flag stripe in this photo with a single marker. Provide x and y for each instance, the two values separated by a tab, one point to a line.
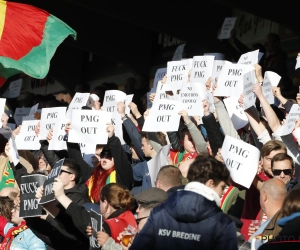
2	16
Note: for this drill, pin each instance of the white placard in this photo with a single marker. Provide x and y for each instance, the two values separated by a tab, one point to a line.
241	159
178	53
27	139
33	110
155	164
218	56
78	101
89	126
230	81
14	89
127	102
160	92
202	68
272	77
19	113
48	119
267	90
177	75
289	125
57	142
149	103
210	99
92	99
88	152
163	116
159	75
217	68
2	107
13	151
227	27
298	63
189	61
249	58
236	112
249	96
191	95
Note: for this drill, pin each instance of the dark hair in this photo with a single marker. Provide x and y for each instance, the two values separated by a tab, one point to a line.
117	196
206	167
6	205
271	146
184	131
291	203
73	167
169	176
282	157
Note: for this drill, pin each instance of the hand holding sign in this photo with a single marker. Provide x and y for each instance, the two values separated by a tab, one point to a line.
258	73
58	188
184	116
50	135
110	130
121	108
257	90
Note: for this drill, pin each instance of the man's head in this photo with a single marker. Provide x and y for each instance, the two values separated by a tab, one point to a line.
282	166
144	213
12	193
186	140
268	151
210	172
147	148
70	173
272	195
168	177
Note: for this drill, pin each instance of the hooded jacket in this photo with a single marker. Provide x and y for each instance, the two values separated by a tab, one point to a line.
189	219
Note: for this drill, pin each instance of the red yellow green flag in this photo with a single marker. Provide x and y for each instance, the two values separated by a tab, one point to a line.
29	37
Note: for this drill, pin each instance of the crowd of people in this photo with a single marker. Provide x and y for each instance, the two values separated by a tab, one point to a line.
194	204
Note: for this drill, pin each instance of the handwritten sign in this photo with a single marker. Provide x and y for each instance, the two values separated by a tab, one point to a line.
160	92
96	223
19	113
227	27
33	110
217	68
249	96
163	116
29	206
14	89
178	53
159	75
177	75
272	77
298	63
57	142
13	151
202	68
78	101
267	90
249	58
2	107
27	139
48	193
218	56
289	125
127	101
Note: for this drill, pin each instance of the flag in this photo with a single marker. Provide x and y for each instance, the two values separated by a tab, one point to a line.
29	37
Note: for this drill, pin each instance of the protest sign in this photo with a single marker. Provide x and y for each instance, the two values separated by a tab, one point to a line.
96	224
249	96
202	68
127	102
19	113
189	62
89	126
48	119
48	193
272	77
14	89
2	107
177	75
230	81
159	75
160	92
29	206
33	110
78	101
160	160
267	90
298	63
249	58
236	112
210	99
163	116
88	151
227	27
191	95
27	139
149	103
289	125
92	99
217	68
178	53
218	56
57	142
13	151
241	159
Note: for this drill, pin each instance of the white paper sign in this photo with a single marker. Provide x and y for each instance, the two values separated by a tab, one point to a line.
57	142
33	110
189	61
202	68
13	151
159	75
127	102
160	92
298	63
227	27
155	164
241	159
78	101
88	152
249	96
210	99
289	125
163	116
272	77
19	113
177	75
249	58
27	139
2	107
218	56
48	119
236	112
89	126
267	90
217	69
14	89
178	53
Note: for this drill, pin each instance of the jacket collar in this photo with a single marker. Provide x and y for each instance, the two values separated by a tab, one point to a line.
286	219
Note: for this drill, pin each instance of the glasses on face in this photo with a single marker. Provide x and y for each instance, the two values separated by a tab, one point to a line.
64	171
285	171
139	220
105	155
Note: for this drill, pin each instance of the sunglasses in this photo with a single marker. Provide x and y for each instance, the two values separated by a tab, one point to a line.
285	171
64	171
105	155
139	220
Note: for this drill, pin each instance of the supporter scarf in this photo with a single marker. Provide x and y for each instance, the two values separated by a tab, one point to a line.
8	179
226	196
11	234
180	157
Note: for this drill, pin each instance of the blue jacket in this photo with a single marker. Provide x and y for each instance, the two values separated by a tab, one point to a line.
141	173
187	220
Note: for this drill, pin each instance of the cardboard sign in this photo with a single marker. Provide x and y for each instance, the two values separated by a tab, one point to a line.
163	116
14	89
155	164
13	151
236	112
217	69
19	113
27	139
57	142
48	193
218	56
249	96
241	159
227	27
78	101
96	223
272	77
249	58
29	206
289	125
177	75
178	53
89	126
202	68
267	91
48	119
159	75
